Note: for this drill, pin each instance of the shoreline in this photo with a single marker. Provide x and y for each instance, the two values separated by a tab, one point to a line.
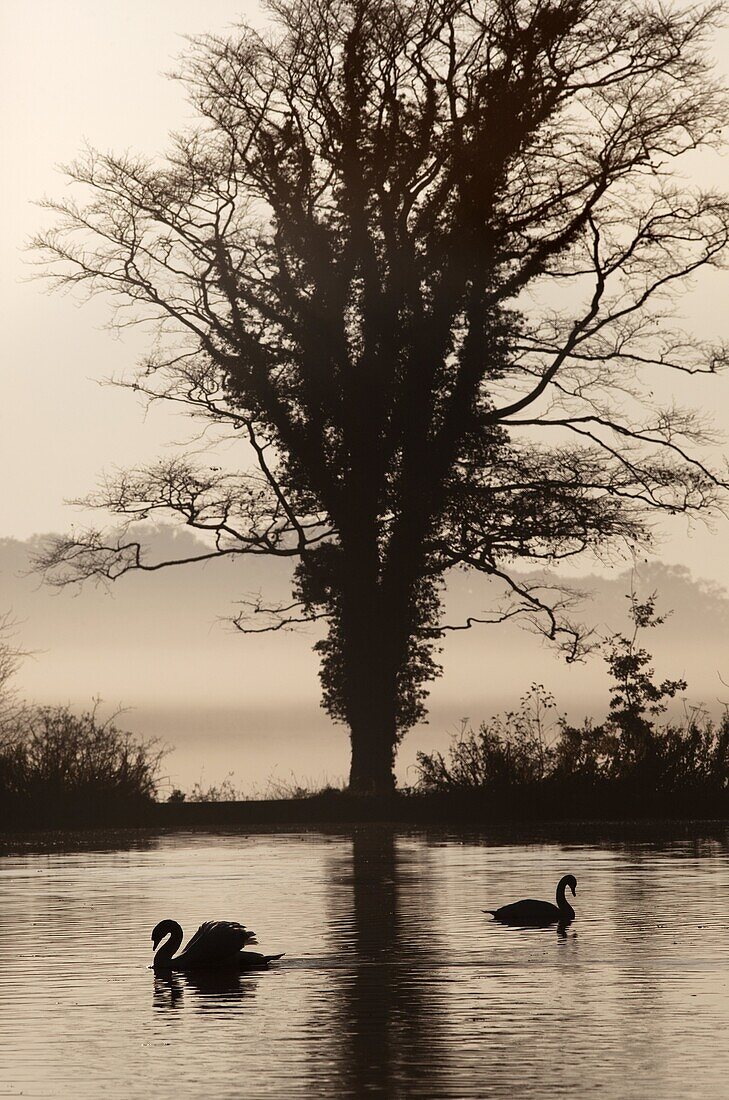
525	811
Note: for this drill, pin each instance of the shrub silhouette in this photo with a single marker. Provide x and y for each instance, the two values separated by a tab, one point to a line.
627	757
59	762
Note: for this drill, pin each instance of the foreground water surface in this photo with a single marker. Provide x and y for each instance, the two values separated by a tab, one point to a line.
394	982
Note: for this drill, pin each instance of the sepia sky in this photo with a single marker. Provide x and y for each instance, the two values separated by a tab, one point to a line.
71	72
83	70
79	71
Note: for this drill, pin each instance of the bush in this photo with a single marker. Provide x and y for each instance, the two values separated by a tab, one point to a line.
512	750
626	759
60	763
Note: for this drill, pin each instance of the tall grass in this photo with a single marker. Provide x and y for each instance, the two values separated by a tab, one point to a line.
275	789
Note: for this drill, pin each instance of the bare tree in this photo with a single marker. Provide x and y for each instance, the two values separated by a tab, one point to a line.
12	710
422	256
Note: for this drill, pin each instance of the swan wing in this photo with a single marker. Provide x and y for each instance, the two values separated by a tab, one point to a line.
214	942
528	911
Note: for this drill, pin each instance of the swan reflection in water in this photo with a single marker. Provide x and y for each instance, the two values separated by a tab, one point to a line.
203	990
213	966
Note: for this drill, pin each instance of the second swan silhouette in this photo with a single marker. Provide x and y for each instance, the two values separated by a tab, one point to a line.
539	913
216	943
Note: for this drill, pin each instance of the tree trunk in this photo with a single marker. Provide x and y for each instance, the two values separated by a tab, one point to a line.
370	678
372	707
373	738
371	771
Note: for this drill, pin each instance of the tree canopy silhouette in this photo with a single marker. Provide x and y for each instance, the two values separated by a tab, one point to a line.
421	255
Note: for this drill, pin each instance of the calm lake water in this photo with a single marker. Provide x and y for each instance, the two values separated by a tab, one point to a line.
394	983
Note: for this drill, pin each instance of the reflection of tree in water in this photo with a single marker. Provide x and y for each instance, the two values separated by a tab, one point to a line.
389	1003
203	990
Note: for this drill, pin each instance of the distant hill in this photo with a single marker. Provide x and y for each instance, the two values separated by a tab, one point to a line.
156	643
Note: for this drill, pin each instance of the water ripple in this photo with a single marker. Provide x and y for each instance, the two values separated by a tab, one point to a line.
394	981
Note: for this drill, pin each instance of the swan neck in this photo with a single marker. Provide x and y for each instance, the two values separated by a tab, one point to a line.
562	904
166	951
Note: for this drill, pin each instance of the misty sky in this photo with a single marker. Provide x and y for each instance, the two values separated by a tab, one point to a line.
159	646
84	70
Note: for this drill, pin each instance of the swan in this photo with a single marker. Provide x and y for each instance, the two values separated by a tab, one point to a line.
530	912
216	943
